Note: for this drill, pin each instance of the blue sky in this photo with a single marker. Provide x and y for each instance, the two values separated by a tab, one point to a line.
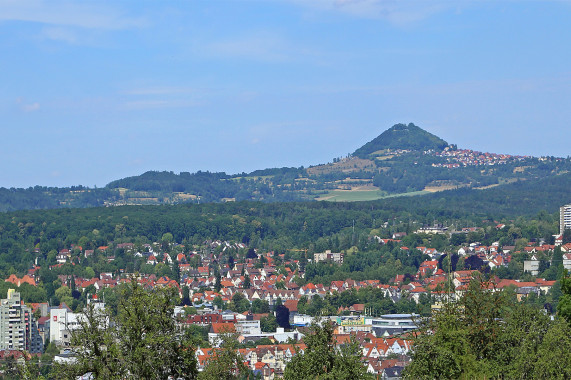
92	91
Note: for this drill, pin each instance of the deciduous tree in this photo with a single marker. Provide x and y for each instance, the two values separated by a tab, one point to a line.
486	334
141	341
324	359
564	305
226	362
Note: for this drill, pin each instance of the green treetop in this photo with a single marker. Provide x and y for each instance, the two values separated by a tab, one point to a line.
324	359
141	341
485	335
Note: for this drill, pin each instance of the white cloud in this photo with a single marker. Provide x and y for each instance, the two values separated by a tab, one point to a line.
159	90
159	103
31	107
154	97
93	15
59	34
262	46
399	12
27	107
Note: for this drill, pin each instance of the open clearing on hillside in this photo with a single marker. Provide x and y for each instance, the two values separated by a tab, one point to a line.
486	187
351	196
356	195
346	165
434	189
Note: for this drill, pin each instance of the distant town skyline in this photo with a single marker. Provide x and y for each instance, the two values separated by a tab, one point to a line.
96	91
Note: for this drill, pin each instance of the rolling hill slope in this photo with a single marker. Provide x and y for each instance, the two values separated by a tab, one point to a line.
403	160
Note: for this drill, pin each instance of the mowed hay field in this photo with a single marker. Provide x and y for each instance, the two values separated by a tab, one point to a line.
360	195
346	165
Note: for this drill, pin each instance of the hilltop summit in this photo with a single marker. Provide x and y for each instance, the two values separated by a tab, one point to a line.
402	136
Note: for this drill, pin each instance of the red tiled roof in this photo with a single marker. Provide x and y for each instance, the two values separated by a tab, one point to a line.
223	327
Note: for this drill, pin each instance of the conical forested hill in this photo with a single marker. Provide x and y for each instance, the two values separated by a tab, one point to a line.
402	136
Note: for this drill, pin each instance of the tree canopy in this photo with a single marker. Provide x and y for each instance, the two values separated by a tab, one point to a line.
140	341
487	334
402	136
324	359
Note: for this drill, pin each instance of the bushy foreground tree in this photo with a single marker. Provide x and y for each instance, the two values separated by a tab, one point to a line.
323	359
564	305
226	362
487	335
140	341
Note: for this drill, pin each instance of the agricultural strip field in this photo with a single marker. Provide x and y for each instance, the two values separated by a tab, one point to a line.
356	195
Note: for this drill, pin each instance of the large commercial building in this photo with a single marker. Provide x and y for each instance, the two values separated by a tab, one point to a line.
564	218
63	321
391	324
18	327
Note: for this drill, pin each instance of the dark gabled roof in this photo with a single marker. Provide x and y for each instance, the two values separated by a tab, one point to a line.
395	371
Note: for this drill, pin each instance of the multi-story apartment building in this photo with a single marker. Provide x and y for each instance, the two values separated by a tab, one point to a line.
564	218
335	257
18	327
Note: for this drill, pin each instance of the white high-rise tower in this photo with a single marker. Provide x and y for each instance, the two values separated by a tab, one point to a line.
564	218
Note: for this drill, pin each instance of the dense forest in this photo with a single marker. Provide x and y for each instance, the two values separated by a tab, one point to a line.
41	197
402	136
36	236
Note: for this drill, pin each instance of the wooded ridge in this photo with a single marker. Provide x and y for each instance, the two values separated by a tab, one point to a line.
403	160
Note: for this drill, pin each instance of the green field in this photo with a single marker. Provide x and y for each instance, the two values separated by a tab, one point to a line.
355	196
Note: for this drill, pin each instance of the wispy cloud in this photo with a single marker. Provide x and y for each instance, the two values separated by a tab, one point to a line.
26	106
153	97
266	47
159	103
261	46
400	12
93	15
31	107
59	34
160	90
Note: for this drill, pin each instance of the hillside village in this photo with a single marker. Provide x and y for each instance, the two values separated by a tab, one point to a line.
266	299
465	157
